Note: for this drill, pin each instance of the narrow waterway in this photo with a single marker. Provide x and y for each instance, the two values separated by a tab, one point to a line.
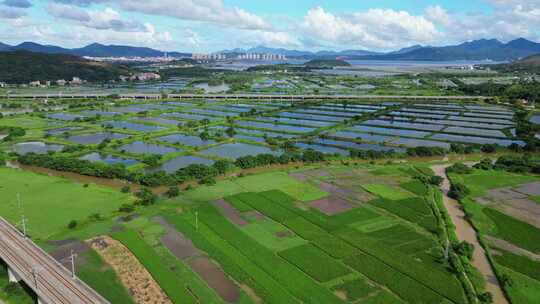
465	232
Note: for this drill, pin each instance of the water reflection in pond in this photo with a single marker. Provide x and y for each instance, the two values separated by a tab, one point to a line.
96	138
36	147
181	162
108	159
238	150
140	147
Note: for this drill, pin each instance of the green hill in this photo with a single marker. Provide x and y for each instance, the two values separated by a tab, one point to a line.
527	64
23	67
326	63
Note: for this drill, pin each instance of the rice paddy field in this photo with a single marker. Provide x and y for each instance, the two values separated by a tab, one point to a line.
124	132
319	234
505	209
335	232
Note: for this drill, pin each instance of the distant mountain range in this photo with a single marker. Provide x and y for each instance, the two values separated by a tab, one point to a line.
483	49
92	50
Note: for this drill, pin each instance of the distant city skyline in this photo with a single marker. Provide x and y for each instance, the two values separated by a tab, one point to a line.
206	26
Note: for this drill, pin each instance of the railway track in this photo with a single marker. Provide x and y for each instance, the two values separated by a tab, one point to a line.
50	280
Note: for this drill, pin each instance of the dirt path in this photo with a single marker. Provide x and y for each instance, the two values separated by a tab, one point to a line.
465	232
137	280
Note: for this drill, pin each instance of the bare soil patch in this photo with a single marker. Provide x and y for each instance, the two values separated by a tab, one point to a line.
63	252
256	215
230	212
216	278
180	246
132	274
300	176
514	203
498	243
530	188
284	234
331	205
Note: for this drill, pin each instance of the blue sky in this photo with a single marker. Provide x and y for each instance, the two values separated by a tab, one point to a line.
212	25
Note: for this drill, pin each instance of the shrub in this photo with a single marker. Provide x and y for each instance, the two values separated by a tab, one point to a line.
458	191
125	189
72	224
173	191
146	197
459	168
126	208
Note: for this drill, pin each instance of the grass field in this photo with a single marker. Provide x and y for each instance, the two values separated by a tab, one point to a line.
387	192
100	276
524	278
50	203
259	182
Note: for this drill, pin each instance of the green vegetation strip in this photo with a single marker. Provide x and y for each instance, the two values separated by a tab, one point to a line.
148	257
387	192
297	282
234	262
315	262
517	232
100	276
519	263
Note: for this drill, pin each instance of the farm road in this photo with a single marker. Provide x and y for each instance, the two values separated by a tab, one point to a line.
465	232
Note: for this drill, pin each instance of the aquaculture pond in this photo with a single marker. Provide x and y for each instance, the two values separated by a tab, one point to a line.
476	140
251	138
187	140
389	131
92	113
360	136
160	120
405	125
108	159
189	116
63	130
322	149
275	127
311	117
293	121
95	138
65	116
413	142
139	147
263	133
132	126
236	150
36	147
181	162
357	146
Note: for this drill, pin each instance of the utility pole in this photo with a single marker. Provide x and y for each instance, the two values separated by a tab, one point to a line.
24	225
197	220
72	264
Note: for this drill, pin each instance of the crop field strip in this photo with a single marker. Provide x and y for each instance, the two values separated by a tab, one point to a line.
317	235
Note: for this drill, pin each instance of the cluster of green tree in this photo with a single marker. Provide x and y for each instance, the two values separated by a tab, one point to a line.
308	156
191	72
527	131
11	132
23	67
522	164
372	154
326	63
202	173
506	92
426	151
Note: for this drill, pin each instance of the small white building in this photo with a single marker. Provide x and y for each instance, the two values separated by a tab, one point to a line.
61	82
76	81
2	84
36	83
